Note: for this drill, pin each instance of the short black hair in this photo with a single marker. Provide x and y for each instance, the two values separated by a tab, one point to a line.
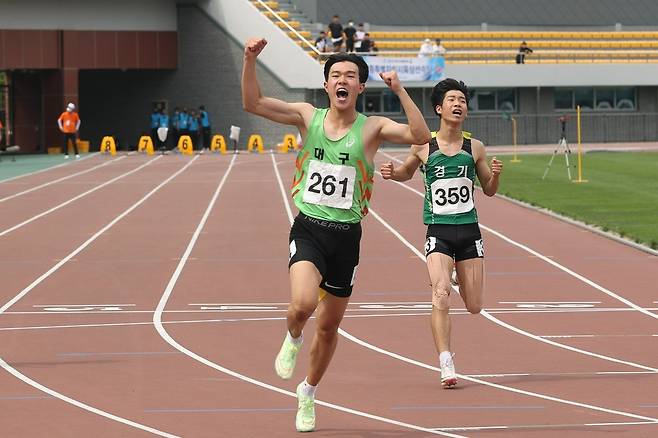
440	90
349	57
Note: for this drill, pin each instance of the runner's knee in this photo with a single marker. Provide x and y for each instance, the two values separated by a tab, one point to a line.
327	331
300	310
472	299
441	296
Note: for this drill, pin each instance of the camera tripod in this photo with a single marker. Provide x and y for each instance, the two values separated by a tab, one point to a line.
562	144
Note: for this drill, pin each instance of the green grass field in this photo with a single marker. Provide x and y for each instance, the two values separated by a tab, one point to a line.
621	194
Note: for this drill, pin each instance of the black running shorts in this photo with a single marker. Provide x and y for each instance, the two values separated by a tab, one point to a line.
333	247
461	242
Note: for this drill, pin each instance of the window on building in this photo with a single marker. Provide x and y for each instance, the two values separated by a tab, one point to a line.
563	99
379	101
584	97
595	98
499	99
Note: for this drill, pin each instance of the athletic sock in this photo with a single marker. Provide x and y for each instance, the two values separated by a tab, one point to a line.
445	356
296	341
308	390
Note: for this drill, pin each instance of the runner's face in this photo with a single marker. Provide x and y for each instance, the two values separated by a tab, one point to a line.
343	86
454	108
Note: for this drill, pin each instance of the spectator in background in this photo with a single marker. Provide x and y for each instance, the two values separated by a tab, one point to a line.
523	50
349	33
438	49
69	124
155	122
373	46
163	122
183	123
358	37
1	128
335	32
205	126
366	43
175	123
321	42
426	48
193	129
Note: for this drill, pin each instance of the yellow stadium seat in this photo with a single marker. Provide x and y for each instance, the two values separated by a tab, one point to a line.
283	14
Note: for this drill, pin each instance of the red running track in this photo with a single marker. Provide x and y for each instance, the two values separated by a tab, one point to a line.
154	305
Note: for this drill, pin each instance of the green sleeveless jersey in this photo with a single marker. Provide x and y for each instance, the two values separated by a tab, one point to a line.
449	185
333	180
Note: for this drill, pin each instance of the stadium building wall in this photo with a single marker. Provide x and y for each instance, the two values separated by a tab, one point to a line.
209	72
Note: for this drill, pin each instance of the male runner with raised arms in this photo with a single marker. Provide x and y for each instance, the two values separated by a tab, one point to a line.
331	187
451	161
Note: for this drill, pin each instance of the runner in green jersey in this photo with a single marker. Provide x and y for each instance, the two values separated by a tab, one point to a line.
331	187
451	160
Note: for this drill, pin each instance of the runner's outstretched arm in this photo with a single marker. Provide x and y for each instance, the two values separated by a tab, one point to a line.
254	102
406	170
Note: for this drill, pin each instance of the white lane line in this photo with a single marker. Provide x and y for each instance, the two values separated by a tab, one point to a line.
494	385
492	318
80	248
549	302
52	392
430	367
586	373
545	426
550	262
83	305
75	198
55	181
157	322
25	291
596	336
46	169
79	404
566	347
456	312
191	321
489	316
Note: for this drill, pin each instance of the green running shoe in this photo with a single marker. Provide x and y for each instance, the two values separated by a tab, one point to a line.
285	361
305	421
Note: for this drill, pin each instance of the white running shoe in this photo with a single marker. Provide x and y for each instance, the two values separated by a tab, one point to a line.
285	361
77	156
448	374
305	419
66	157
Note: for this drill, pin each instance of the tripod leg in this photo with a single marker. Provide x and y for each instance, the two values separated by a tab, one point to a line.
550	162
567	153
566	158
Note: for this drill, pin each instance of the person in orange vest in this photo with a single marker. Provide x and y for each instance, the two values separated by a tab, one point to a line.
69	123
1	127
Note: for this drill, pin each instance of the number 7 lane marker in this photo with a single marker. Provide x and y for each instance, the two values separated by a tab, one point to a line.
47	274
157	322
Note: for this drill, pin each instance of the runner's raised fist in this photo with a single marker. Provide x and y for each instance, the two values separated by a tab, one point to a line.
254	46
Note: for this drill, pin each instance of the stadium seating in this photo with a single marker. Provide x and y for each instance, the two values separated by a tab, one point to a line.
499	46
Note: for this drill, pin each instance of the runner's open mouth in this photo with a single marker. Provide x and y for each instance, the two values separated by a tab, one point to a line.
342	93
